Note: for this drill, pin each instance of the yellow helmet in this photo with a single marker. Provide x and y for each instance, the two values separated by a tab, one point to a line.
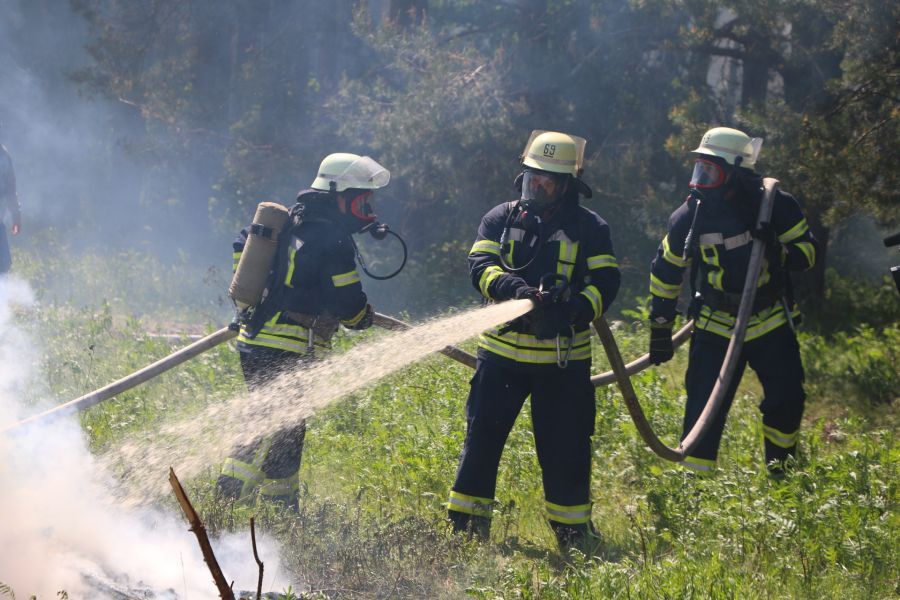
343	170
729	144
554	152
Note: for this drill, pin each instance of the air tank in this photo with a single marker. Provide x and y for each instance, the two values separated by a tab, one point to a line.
250	277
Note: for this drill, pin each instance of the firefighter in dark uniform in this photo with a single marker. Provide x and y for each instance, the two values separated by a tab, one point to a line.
317	288
9	201
546	354
722	209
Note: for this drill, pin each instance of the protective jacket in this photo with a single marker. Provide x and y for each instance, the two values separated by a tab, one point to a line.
574	242
723	230
318	284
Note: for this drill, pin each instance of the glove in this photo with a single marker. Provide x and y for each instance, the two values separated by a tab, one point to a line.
553	320
366	321
527	292
661	349
766	234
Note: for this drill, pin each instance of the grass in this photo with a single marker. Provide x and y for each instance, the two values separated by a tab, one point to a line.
377	467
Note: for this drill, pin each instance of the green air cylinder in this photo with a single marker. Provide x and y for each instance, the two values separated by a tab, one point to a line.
249	279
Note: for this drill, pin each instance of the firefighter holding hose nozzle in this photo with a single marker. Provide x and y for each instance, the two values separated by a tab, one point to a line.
547	248
711	235
311	286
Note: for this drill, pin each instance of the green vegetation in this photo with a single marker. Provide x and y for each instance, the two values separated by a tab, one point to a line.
377	467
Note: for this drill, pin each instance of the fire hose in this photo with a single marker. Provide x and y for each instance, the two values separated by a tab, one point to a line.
620	373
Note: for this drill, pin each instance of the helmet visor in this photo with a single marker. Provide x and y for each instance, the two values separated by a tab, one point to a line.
541	189
363	173
707	174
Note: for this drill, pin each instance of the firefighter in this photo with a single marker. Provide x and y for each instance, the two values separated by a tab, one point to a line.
316	288
9	201
721	213
544	235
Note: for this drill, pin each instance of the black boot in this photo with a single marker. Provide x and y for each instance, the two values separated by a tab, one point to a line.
580	536
472	525
777	457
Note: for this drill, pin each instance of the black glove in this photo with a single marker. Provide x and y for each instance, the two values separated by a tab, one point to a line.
527	292
766	234
553	320
661	349
366	321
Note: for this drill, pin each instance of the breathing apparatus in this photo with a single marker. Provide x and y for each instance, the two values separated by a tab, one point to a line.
552	164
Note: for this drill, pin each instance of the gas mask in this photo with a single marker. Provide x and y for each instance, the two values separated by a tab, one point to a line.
542	190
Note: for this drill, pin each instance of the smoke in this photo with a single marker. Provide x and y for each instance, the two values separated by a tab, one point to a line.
61	529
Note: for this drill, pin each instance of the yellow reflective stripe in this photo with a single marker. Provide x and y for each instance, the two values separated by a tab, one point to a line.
509	255
356	318
292	252
716	274
698	464
236	260
567	253
242	471
280	487
536	351
570	515
671	257
488	276
660	288
809	251
274	341
348	278
760	323
794	232
485	246
764	274
595	297
601	260
470	505
780	438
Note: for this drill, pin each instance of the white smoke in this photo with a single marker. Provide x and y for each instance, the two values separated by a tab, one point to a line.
61	529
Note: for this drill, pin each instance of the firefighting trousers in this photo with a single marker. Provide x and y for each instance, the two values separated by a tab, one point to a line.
562	411
775	357
270	464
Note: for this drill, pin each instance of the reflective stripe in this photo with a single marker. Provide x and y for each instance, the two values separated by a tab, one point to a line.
237	259
357	318
296	244
698	464
736	241
601	260
570	515
242	471
759	324
671	257
548	159
596	299
662	289
286	486
523	347
486	246
515	234
716	274
470	505
809	251
794	232
560	236
488	276
277	342
710	239
348	278
567	253
779	438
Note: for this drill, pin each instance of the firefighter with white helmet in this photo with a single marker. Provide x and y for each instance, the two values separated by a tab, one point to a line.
545	247
313	287
721	213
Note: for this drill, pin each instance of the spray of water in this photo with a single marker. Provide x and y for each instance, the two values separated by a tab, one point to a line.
193	445
60	528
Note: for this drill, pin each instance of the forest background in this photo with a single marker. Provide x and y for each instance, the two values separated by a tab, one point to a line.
156	127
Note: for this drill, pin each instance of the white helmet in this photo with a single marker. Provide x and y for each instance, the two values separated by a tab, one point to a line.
729	144
343	170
